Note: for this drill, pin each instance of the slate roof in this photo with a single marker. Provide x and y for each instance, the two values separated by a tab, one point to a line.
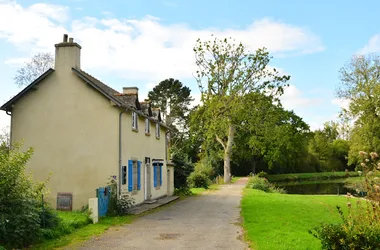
8	105
123	100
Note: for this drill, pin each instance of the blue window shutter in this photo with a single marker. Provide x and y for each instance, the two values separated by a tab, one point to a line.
130	175
139	175
155	175
160	175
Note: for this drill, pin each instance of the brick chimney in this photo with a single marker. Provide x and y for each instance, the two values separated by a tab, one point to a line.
131	90
67	54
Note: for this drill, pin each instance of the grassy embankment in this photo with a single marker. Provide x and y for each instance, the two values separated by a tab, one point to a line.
282	221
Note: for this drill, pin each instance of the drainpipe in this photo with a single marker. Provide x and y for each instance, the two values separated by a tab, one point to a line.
10	129
120	152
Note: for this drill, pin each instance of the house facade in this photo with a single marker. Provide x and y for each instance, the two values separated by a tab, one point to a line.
83	132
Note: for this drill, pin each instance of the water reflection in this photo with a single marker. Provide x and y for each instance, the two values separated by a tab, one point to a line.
315	188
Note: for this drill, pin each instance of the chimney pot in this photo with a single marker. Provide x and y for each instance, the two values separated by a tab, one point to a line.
130	90
67	54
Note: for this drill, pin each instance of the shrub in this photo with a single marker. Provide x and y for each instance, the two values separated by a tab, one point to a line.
49	217
262	174
118	205
20	205
198	180
183	168
360	229
183	191
264	185
205	168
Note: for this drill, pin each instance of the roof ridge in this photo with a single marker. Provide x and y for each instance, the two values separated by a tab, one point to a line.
96	79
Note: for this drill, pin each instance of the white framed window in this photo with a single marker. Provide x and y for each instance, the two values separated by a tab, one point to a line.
147	126
157	130
135	121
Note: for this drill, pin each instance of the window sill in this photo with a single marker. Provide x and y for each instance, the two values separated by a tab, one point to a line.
157	138
158	187
135	130
147	134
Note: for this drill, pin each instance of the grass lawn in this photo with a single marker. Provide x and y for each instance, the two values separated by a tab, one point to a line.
310	176
235	178
82	232
197	191
282	221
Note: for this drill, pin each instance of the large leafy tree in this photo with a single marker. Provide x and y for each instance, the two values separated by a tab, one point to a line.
171	92
360	84
173	99
227	71
272	135
34	68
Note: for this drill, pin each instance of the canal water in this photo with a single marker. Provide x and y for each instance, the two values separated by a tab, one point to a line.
322	187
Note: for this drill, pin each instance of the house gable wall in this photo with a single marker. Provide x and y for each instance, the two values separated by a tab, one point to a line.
74	132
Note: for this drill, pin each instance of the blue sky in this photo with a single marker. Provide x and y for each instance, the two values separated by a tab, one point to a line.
139	43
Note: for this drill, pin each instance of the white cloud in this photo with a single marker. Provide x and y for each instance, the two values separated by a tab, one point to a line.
4	121
17	62
140	48
342	103
32	29
197	99
293	98
372	46
55	12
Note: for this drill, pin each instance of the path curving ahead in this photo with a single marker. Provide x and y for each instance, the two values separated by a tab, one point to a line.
209	221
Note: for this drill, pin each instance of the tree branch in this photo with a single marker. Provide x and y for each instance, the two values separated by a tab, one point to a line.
220	141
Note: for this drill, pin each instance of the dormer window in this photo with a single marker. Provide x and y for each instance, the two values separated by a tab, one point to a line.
135	121
147	126
157	130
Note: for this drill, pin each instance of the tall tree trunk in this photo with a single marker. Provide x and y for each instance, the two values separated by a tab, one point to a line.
228	153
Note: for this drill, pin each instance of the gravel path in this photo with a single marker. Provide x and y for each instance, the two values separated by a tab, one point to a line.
208	221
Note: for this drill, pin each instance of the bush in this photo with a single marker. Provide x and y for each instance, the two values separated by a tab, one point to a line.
360	229
205	168
262	174
20	205
183	191
183	168
49	217
264	185
357	231
198	180
118	205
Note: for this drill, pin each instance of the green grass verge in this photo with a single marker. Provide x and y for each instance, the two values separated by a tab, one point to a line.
235	178
83	233
310	176
74	219
198	191
281	221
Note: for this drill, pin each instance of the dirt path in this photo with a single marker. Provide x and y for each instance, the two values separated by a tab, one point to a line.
203	222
